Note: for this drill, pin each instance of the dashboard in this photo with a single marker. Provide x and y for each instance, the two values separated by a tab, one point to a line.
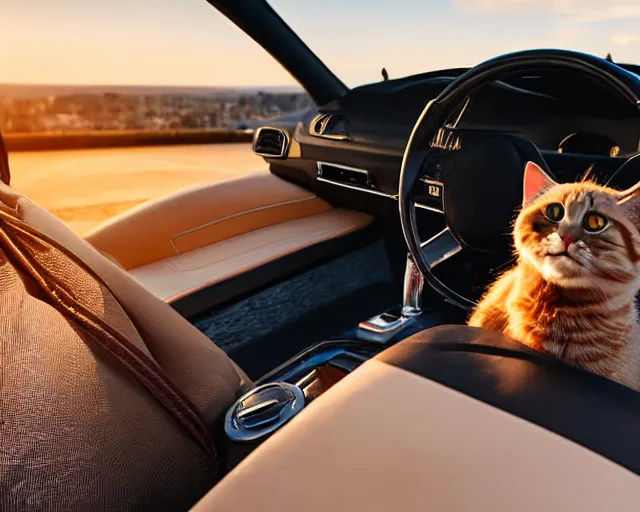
357	142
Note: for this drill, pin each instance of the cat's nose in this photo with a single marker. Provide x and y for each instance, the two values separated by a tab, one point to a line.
567	240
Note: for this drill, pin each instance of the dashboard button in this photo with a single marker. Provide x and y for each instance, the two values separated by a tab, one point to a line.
432	194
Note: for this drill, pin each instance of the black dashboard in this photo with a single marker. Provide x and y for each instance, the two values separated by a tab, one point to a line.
357	142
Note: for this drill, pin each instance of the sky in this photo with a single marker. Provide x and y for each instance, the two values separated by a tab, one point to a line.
188	42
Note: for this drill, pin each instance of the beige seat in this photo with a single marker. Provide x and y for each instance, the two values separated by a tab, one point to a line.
454	419
384	439
203	235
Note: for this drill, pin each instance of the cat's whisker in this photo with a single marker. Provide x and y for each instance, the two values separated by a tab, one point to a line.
611	243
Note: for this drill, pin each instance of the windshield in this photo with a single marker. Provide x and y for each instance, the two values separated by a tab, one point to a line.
356	39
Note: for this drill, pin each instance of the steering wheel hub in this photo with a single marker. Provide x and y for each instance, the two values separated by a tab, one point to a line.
483	190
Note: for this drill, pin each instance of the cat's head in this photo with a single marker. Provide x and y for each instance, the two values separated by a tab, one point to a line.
579	235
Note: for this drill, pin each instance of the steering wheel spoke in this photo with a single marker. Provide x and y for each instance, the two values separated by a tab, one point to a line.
440	248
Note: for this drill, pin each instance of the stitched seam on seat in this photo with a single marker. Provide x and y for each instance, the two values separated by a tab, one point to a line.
179	293
233	216
211	262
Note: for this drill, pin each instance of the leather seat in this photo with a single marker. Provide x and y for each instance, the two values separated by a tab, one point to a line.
453	418
77	432
203	235
177	276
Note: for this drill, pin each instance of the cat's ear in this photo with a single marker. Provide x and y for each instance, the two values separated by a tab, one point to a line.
535	182
629	200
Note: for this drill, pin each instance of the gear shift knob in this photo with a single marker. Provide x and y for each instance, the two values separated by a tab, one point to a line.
412	293
381	328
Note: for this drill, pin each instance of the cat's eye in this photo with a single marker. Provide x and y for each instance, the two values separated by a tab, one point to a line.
594	222
554	212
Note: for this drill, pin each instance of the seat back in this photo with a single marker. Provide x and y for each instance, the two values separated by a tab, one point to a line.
107	396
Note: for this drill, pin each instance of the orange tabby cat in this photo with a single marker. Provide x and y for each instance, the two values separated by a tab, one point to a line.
572	291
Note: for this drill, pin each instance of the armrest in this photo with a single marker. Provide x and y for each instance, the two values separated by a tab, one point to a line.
198	216
387	439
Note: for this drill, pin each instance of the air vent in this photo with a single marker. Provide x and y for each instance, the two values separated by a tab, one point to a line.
343	174
348	177
271	142
318	124
329	126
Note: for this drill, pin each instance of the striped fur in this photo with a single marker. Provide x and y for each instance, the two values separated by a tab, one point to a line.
574	301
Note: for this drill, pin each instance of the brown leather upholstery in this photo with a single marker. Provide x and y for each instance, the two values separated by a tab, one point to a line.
204	235
80	428
386	439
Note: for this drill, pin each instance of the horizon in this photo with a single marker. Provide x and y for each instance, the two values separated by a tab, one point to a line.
159	86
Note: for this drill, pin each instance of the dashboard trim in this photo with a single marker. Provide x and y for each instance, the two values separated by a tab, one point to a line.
353	187
362	189
324	118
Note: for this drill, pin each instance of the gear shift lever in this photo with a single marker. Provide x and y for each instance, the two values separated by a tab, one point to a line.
383	327
412	293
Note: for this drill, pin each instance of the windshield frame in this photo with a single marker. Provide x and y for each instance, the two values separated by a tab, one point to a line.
265	26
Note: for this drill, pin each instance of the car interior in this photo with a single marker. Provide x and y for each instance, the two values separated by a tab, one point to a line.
315	315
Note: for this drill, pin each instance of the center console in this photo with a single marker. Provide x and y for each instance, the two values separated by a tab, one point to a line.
279	395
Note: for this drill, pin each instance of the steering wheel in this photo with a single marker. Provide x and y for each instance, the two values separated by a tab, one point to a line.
479	191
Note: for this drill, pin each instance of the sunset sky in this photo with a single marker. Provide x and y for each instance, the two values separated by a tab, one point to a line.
187	42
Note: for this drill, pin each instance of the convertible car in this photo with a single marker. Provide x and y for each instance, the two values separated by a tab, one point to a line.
296	340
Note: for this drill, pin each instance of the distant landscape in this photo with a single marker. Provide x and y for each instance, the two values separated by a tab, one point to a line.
87	153
61	108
